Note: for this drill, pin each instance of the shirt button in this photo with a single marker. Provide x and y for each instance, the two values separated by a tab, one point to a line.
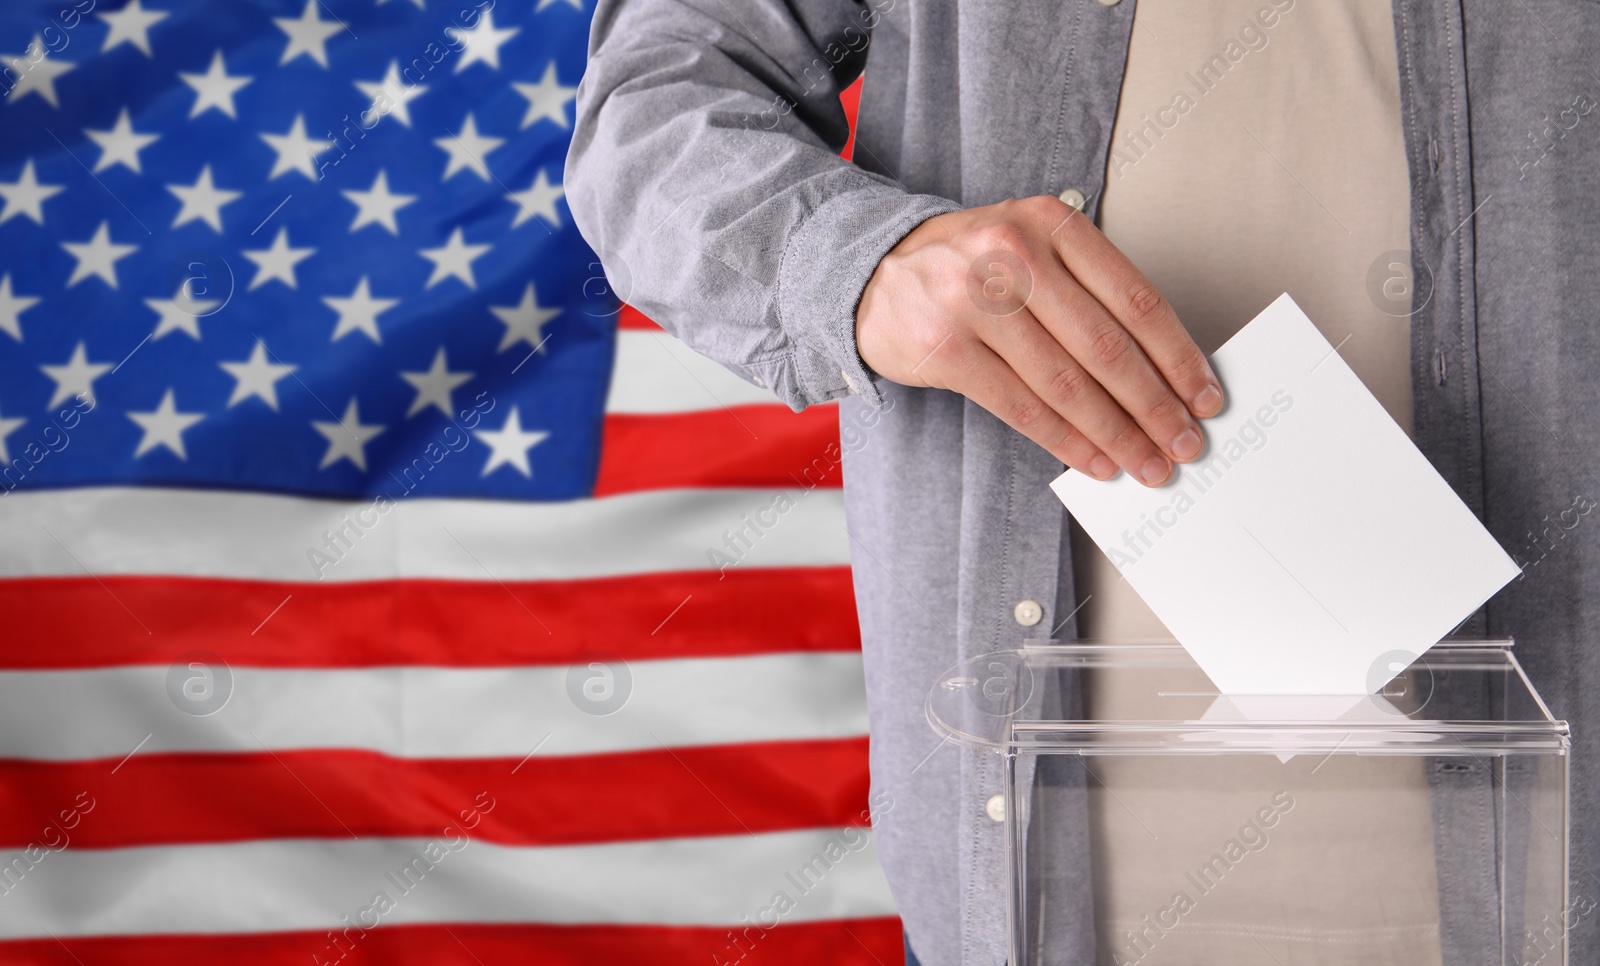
1073	196
995	807
1028	612
1109	3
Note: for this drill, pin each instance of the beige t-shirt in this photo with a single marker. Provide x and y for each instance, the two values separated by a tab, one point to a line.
1258	149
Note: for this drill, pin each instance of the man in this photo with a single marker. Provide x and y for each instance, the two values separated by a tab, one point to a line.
1421	177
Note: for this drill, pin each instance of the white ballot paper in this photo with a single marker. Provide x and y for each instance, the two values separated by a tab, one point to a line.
1311	549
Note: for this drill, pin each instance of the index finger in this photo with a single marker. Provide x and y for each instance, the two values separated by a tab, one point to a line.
1116	283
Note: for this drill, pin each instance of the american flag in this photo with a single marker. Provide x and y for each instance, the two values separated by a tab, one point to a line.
365	591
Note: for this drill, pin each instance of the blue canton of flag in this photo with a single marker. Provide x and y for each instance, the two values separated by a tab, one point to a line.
306	246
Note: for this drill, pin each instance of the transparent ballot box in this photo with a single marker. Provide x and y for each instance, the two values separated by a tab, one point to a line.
1151	820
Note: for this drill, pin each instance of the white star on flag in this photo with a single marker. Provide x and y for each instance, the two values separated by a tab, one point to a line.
121	144
202	201
98	256
434	386
308	34
524	322
378	205
467	150
40	77
12	306
296	151
454	259
539	200
131	25
359	312
277	262
347	438
26	196
392	95
164	426
180	313
75	377
256	376
215	88
482	43
548	98
509	445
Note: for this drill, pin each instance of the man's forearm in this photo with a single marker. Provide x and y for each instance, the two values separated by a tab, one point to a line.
705	170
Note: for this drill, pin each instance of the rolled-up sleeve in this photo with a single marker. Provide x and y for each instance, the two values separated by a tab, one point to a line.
705	171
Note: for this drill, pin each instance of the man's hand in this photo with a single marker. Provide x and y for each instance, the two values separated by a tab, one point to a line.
1027	310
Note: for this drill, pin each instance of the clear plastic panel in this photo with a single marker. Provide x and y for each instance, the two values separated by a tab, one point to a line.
1425	824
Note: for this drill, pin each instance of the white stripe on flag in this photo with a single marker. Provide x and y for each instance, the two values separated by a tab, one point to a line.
424	712
656	373
294	884
256	536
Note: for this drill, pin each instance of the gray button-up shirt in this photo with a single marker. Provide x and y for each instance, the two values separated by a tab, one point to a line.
705	171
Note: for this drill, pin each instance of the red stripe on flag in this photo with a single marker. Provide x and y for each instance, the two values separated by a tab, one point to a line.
632	318
850	942
424	622
754	446
166	799
850	97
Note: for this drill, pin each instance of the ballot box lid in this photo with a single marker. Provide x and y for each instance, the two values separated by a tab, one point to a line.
1459	698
